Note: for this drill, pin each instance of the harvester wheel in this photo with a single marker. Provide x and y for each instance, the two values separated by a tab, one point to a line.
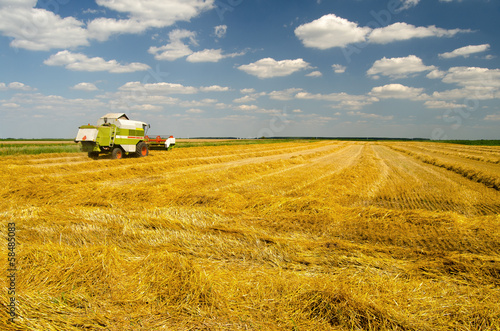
117	153
141	149
93	155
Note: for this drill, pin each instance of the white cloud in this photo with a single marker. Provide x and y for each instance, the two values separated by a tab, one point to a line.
492	117
220	31
404	31
339	97
397	91
439	104
338	68
15	86
407	4
284	95
465	51
353	104
342	100
158	88
214	88
314	74
247	90
434	74
251	95
194	111
10	105
398	67
85	87
56	103
370	116
333	31
330	31
210	55
39	29
245	99
468	92
268	67
196	103
247	107
145	14
80	62
146	107
175	48
473	76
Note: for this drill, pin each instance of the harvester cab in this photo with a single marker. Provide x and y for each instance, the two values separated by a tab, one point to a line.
114	134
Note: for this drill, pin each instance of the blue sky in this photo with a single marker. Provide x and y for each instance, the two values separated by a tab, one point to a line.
252	68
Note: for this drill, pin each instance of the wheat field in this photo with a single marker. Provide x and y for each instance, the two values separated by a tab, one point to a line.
325	235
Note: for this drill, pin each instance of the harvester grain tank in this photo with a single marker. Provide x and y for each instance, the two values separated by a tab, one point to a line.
115	134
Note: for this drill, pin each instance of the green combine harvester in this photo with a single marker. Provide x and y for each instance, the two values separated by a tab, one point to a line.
116	135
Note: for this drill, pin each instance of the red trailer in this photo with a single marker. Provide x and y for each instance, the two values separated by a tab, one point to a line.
160	141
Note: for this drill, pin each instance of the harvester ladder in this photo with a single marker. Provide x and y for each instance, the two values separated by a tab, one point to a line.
113	137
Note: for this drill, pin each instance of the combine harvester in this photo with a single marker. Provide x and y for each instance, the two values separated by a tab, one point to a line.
116	135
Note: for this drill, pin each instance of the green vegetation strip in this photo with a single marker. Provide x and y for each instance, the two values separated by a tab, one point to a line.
470	142
20	149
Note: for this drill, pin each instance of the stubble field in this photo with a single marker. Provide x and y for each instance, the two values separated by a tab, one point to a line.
287	236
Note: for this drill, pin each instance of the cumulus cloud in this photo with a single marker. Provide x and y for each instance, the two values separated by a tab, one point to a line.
473	76
39	29
158	88
468	92
210	55
403	31
15	86
342	100
80	62
245	99
314	74
176	48
407	4
398	67
434	74
338	68
56	102
465	51
370	116
440	104
220	31
142	15
85	87
194	111
397	91
284	95
214	88
269	67
330	31
492	117
247	90
247	107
